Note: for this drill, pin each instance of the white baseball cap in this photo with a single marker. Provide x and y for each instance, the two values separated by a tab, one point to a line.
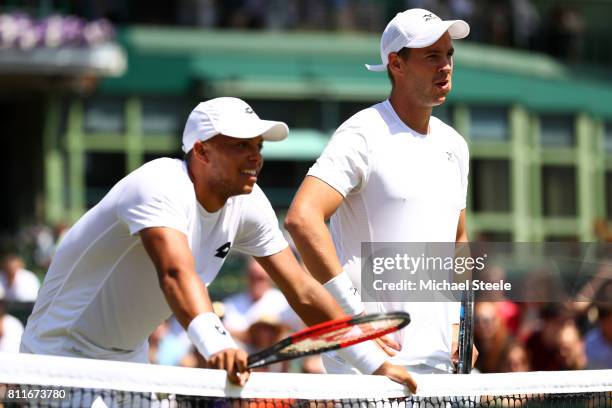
416	28
230	117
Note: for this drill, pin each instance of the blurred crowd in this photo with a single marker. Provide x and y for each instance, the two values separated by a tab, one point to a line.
510	336
542	337
21	31
17	286
510	23
559	31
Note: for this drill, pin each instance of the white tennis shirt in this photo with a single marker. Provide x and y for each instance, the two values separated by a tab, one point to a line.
399	186
101	297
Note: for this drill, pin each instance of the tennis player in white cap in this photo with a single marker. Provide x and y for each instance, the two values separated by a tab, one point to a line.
102	297
391	173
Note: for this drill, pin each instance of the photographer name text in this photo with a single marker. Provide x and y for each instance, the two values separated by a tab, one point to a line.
440	285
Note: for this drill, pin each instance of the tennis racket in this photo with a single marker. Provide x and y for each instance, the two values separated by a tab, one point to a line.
466	332
328	336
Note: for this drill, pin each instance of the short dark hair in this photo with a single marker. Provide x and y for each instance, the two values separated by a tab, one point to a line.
404	53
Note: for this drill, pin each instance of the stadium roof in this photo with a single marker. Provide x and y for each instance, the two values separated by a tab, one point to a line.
330	66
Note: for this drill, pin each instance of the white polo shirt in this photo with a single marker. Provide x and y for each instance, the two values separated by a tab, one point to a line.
101	297
399	186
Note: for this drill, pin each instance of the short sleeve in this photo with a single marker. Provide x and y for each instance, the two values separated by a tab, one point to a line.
147	201
259	233
344	162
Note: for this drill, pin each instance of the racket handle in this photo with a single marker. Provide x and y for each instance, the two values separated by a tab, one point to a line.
466	332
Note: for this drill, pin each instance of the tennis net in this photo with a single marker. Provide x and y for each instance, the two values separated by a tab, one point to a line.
49	381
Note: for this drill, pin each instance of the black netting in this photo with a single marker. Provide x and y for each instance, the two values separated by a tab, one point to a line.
61	397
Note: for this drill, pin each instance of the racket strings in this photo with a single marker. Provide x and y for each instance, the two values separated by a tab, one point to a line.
342	335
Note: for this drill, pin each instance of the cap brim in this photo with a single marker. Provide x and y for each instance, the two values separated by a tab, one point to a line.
269	130
376	68
458	29
277	131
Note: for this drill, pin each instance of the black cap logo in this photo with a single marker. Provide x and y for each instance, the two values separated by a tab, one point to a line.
428	17
248	109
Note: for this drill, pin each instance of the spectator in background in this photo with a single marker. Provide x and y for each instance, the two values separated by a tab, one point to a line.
500	24
598	341
175	343
11	329
39	241
282	14
571	348
491	337
508	311
155	340
265	331
315	15
260	316
566	33
544	344
19	284
241	14
515	359
259	299
462	9
200	13
270	329
358	16
526	24
169	344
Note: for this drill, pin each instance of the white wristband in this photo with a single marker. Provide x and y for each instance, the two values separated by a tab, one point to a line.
366	357
346	294
208	334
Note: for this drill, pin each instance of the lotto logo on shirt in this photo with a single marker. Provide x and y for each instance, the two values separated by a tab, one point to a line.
223	250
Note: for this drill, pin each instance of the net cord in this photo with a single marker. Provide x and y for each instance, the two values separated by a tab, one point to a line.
88	373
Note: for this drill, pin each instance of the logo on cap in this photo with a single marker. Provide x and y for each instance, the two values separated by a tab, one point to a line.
429	16
248	109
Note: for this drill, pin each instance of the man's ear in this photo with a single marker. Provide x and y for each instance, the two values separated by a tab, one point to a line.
394	62
200	151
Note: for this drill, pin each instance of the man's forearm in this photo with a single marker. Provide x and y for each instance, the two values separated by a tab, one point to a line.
305	295
315	244
186	295
314	304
